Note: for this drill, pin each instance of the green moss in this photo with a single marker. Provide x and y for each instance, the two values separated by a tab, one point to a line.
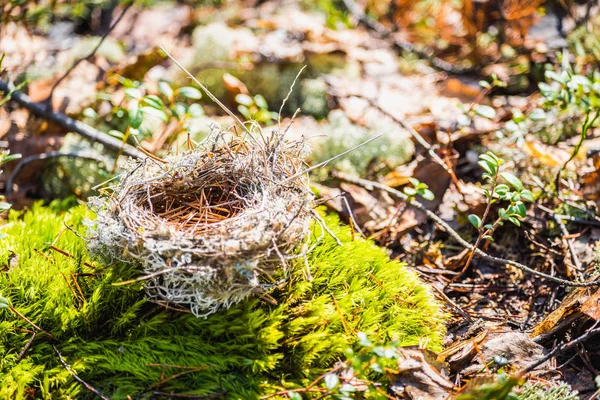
112	335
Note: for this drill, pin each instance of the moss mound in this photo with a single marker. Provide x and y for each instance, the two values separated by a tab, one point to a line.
125	346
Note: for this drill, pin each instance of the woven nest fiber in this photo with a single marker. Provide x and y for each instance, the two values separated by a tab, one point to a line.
209	227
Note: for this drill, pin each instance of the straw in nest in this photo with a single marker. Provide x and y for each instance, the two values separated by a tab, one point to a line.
209	227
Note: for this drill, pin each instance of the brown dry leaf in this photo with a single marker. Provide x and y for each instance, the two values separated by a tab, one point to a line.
234	86
466	91
436	177
368	210
419	376
551	156
458	261
516	347
591	180
591	307
400	176
570	305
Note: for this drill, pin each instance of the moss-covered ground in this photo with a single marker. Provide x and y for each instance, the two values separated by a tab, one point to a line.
115	340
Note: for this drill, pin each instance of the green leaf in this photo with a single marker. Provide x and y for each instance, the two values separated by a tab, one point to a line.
475	221
190	92
484	84
489	227
512	180
463	120
537	115
4	206
502	213
331	381
244	99
165	89
155	112
90	113
294	395
488	237
427	194
179	110
196	110
133	93
521	209
527	195
10	157
414	181
153	101
3	302
261	102
409	191
244	111
116	133
514	221
486	112
135	118
487	167
364	340
488	157
501	189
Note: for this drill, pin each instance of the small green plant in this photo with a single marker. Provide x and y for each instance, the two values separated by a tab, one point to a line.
468	112
513	193
255	108
137	113
418	188
365	371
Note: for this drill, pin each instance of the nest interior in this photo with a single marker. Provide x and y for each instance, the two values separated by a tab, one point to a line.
123	345
209	227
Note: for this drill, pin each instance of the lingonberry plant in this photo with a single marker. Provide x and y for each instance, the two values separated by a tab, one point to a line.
512	192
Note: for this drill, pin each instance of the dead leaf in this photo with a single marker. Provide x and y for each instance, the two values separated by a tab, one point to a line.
551	156
570	305
418	378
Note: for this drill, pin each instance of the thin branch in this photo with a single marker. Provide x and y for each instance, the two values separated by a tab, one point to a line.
416	135
46	156
70	124
370	185
561	349
78	379
211	96
92	53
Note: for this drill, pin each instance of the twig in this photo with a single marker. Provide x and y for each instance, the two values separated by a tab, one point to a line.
92	53
370	185
24	318
569	242
46	156
416	135
211	96
27	345
351	215
70	124
560	349
78	379
452	304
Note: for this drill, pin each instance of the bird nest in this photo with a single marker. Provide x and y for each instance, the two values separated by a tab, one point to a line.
209	227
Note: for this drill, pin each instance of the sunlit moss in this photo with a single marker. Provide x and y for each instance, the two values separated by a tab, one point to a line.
111	336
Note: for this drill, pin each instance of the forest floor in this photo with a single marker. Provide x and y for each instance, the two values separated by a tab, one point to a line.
442	85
